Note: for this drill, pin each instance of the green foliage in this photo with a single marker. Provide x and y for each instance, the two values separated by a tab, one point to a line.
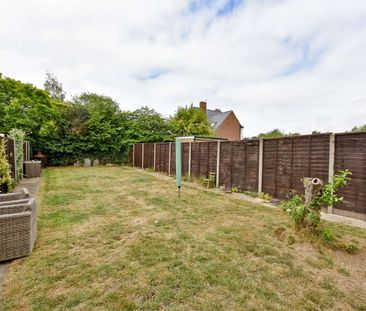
24	107
235	189
18	136
190	121
265	196
146	125
276	133
327	234
5	177
328	195
308	217
89	126
262	195
361	128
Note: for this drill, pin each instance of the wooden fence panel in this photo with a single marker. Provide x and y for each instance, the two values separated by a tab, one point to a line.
287	160
195	159
204	159
270	166
172	163
138	155
225	177
149	155
350	153
212	157
162	150
283	167
252	159
319	157
238	150
185	158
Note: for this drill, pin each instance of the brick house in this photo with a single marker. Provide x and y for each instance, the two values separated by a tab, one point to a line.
225	124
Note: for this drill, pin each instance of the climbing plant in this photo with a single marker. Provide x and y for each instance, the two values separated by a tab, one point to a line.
18	136
5	177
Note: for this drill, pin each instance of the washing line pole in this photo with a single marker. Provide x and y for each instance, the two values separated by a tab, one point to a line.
178	163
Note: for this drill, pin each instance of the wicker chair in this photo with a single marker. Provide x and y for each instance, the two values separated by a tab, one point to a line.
24	194
18	228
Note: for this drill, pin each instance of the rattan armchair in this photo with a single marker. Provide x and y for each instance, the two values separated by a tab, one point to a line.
24	194
18	228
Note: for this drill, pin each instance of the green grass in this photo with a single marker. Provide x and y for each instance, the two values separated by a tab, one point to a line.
115	238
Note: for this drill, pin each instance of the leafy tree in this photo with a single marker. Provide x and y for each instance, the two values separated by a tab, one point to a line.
361	128
272	134
146	125
190	121
24	106
54	87
276	133
91	125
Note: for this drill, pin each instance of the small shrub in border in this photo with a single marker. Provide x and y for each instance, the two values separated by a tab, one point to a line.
5	177
308	217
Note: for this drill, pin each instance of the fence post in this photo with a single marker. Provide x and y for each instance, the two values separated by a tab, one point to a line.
154	156
331	164
218	164
260	165
142	155
189	161
170	157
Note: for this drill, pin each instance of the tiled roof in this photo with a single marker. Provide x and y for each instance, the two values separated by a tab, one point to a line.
216	117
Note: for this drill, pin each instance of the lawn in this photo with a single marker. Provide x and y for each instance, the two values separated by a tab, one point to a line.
116	238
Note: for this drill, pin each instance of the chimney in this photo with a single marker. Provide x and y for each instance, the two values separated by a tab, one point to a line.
203	106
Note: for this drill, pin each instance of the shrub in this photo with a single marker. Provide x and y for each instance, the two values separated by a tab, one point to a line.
5	177
308	217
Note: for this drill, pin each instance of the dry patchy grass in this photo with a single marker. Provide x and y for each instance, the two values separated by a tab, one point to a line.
115	238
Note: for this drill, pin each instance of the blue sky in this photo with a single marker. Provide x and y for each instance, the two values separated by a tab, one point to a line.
290	64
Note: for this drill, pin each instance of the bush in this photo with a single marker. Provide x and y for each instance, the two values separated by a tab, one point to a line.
308	217
5	177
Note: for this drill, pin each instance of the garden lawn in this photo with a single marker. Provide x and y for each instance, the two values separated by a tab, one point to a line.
117	238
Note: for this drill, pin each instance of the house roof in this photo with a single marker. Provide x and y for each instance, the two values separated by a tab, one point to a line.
216	117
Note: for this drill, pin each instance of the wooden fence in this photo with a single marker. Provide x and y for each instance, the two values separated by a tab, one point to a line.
274	165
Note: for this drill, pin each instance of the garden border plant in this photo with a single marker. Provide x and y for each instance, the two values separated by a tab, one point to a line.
307	217
5	177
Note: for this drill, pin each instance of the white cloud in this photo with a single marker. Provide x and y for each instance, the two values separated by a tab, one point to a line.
295	65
